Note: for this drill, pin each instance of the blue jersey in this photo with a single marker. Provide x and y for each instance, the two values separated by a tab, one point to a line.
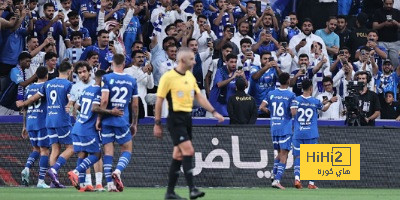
133	29
56	92
279	102
36	113
104	62
122	88
260	88
87	119
306	119
297	88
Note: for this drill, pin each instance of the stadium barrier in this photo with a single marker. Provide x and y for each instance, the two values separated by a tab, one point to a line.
225	156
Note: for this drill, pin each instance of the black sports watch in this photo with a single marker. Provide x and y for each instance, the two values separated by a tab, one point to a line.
157	122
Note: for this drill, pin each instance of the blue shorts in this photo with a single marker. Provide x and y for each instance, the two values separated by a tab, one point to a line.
282	142
39	138
60	135
121	135
89	144
297	142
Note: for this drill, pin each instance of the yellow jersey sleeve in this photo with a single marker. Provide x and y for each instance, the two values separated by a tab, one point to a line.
164	86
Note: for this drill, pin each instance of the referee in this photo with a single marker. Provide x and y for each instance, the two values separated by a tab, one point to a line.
180	88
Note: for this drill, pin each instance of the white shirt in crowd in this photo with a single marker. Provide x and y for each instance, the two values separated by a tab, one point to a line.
36	62
307	48
340	79
335	110
144	81
238	37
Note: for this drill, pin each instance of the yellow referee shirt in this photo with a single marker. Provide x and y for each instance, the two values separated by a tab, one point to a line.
179	89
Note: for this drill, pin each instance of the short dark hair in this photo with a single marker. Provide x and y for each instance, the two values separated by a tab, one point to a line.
284	78
50	55
372	31
73	14
327	79
362	19
240	84
292	13
243	22
46	5
389	92
231	56
265	53
196	2
169	27
227	45
99	73
136	52
91	54
342	17
167	39
30	37
344	48
136	42
201	16
24	55
245	41
178	21
64	67
306	84
170	46
189	40
76	34
119	59
319	44
330	18
228	26
81	64
41	72
303	55
307	20
101	32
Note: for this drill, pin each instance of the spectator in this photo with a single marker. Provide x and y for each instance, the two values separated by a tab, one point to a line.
74	20
244	30
343	31
102	48
159	55
93	59
286	58
247	57
251	17
387	22
303	72
266	43
369	102
203	33
216	64
241	106
367	63
320	67
343	77
50	60
301	43
37	54
171	62
267	22
50	26
335	111
226	39
221	19
200	58
390	108
342	59
89	11
379	53
330	38
132	30
387	81
165	15
289	27
143	76
73	54
224	85
359	35
263	79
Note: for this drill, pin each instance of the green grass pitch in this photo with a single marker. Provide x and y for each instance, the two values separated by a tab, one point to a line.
21	193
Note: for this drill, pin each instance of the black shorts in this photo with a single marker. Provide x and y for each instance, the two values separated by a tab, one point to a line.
180	126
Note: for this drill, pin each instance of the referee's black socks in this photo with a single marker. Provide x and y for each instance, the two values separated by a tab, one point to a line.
173	175
188	170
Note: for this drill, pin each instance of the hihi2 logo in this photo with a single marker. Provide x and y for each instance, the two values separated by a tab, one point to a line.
330	162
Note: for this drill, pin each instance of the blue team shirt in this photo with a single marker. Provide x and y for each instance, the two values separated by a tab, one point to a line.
104	62
292	32
297	89
87	119
36	113
279	102
57	31
266	83
56	92
306	119
90	6
378	60
219	30
13	45
132	31
83	30
386	84
122	88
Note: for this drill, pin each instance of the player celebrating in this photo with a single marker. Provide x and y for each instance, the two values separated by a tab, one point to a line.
278	102
180	88
58	121
305	111
119	91
85	138
34	127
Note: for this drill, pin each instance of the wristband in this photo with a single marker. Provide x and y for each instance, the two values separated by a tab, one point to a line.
330	101
157	122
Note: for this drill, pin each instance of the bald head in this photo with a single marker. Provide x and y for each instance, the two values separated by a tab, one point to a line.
185	57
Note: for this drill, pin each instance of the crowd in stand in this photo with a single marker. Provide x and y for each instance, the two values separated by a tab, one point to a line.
231	40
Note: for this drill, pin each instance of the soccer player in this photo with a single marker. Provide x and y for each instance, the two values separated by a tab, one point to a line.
85	137
278	102
34	127
58	120
83	70
180	88
119	91
305	111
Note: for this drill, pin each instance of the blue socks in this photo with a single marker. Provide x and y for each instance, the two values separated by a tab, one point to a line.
281	169
60	162
32	158
81	176
124	160
297	167
275	169
43	165
107	163
86	163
